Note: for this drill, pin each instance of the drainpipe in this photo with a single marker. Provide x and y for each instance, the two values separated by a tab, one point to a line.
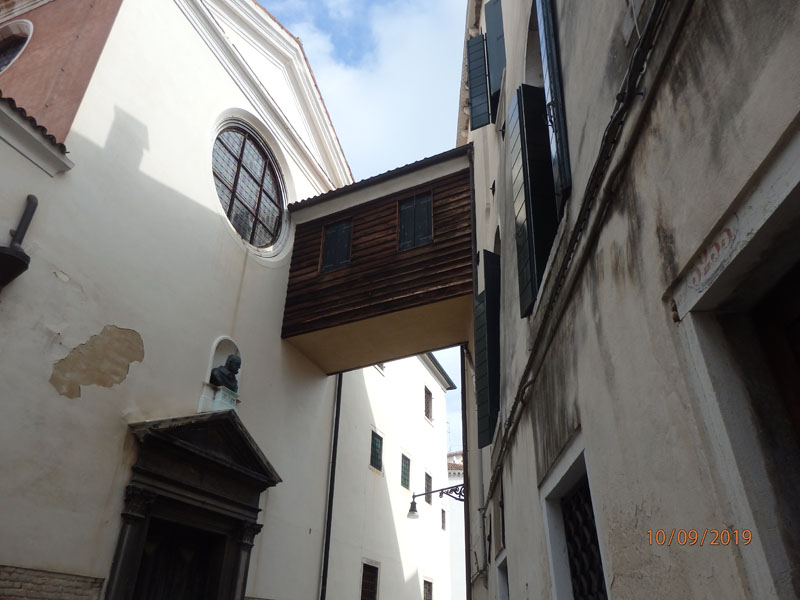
465	458
326	549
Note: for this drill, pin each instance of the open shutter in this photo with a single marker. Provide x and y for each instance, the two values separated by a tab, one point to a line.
523	233
478	88
535	204
556	112
487	349
495	51
542	201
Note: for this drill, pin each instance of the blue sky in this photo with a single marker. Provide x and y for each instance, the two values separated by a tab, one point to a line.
389	72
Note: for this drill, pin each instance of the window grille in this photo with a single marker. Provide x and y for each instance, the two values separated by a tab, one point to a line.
428	404
428	488
427	590
369	582
336	246
405	471
583	549
376	452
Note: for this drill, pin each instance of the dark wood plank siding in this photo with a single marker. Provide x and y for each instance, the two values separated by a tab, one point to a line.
380	278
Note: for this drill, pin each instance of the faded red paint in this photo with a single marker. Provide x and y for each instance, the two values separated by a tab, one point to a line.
51	75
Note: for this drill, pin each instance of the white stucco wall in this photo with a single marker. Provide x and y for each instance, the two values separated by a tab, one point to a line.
134	237
370	521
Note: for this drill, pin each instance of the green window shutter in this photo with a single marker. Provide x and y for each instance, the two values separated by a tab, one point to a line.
535	203
542	200
556	110
487	349
523	232
478	88
495	51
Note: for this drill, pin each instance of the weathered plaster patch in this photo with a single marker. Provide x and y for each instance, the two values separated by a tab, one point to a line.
103	360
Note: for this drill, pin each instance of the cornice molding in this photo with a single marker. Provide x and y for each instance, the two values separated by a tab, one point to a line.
10	9
328	171
23	136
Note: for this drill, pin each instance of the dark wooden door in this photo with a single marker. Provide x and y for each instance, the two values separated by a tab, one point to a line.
179	563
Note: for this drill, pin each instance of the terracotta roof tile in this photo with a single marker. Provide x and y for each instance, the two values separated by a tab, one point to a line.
40	128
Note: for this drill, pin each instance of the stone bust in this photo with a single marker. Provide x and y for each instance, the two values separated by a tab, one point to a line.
225	376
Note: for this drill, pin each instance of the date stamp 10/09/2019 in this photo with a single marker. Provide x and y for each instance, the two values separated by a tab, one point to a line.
699	537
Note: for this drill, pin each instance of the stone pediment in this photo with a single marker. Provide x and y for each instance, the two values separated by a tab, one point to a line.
219	437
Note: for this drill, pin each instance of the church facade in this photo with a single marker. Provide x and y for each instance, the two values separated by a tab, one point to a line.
163	436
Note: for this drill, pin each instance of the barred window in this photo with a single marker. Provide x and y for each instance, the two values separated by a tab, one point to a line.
444	520
428	404
376	452
428	488
427	589
405	471
248	186
369	582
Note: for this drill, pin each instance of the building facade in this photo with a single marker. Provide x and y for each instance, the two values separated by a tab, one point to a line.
396	410
632	414
162	439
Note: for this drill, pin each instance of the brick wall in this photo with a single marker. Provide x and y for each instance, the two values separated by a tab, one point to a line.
16	582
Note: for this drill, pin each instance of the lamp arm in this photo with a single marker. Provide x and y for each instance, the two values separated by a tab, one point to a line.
455	491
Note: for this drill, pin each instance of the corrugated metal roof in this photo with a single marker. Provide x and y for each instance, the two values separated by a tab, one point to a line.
425	162
40	128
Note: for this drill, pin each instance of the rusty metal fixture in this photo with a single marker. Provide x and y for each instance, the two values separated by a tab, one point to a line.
13	260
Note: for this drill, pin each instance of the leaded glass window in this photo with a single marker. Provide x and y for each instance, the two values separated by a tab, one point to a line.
246	179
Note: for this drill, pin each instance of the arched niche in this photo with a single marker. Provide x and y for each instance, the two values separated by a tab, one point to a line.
214	398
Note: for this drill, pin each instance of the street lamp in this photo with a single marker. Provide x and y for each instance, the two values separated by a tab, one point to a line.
456	492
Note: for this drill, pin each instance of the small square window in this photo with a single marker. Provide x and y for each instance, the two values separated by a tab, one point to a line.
405	471
376	452
428	488
336	246
444	520
416	222
427	589
428	404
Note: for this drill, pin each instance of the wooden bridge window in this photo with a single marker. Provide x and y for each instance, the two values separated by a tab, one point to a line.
336	246
416	222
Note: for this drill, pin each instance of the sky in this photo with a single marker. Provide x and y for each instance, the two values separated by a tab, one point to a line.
389	72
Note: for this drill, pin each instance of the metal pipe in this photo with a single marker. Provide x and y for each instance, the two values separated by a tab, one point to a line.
323	589
19	233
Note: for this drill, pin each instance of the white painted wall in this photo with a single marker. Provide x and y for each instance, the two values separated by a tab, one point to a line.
370	521
133	236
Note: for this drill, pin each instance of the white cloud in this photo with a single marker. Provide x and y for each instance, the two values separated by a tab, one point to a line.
399	102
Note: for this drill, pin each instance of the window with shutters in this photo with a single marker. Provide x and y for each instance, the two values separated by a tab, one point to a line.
415	216
428	488
478	82
376	452
336	246
427	590
428	404
486	61
405	471
495	52
487	348
556	113
369	582
531	182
